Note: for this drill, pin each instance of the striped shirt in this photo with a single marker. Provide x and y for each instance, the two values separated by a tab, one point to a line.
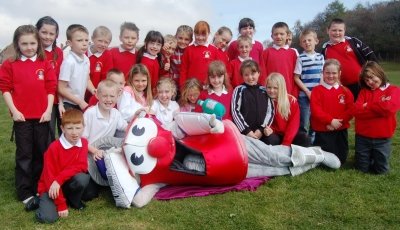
309	66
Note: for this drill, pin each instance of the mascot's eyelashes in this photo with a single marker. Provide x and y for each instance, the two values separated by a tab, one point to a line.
137	131
136	160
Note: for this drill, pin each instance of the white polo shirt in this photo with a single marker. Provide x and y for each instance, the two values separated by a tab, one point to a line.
165	114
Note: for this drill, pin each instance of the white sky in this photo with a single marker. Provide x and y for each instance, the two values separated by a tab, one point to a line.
162	15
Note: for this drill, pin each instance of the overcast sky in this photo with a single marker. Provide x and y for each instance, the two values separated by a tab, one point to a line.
162	15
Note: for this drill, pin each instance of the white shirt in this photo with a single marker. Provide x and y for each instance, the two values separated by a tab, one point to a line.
67	145
165	114
336	85
128	106
96	126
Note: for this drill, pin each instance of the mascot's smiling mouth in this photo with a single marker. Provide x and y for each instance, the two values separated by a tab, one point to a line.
136	160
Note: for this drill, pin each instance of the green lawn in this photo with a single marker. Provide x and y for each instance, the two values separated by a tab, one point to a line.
319	199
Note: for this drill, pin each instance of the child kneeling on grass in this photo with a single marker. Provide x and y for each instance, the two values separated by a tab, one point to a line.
65	167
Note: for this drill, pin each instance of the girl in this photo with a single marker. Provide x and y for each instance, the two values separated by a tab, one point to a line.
163	107
184	36
190	94
30	109
137	95
331	108
221	40
150	56
376	106
168	50
247	28
198	56
285	126
48	33
218	87
244	45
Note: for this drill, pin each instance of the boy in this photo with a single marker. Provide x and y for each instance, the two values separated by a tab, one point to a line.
124	56
244	46
308	74
349	51
102	120
74	74
100	58
64	177
252	109
118	78
280	57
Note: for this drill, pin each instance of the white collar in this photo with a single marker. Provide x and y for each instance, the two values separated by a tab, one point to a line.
49	48
278	47
206	45
163	108
152	57
336	85
211	91
77	58
331	43
123	50
97	54
24	58
244	59
67	145
384	87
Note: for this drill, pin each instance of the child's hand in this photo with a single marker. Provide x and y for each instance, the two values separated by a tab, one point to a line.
61	109
46	116
258	134
54	190
98	154
268	131
63	213
167	66
18	116
83	105
252	134
336	123
330	127
308	93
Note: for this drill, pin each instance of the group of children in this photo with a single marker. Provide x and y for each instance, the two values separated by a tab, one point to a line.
268	93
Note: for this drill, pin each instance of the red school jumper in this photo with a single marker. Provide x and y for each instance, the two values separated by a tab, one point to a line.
225	99
100	64
123	60
154	68
255	53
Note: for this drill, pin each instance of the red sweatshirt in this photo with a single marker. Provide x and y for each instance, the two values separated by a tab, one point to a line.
123	61
61	165
282	61
99	66
287	128
224	99
195	61
378	118
234	72
29	84
56	63
327	104
154	69
255	53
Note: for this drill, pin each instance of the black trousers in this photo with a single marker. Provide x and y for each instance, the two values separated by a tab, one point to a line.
301	139
336	142
32	140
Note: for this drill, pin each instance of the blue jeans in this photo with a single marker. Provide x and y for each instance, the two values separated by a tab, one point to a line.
372	154
305	112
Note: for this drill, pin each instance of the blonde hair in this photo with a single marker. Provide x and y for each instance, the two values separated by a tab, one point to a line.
141	69
283	104
166	81
170	39
191	83
102	31
218	68
107	83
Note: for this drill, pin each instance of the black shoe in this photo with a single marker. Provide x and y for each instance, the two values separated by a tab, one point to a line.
80	207
32	204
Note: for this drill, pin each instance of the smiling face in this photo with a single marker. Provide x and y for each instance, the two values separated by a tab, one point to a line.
244	48
250	77
100	43
139	82
107	97
272	89
336	32
247	31
184	39
153	48
164	94
193	95
371	80
28	45
47	34
217	82
128	39
221	41
308	42
331	74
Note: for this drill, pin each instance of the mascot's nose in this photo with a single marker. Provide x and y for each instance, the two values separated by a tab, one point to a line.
159	147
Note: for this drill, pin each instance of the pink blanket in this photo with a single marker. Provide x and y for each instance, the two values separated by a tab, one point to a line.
176	192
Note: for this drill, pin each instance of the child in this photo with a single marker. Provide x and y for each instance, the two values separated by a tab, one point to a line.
221	40
137	93
99	56
103	120
190	93
118	78
198	56
247	28
376	106
245	45
280	58
74	74
170	43
30	109
331	109
184	36
150	56
64	177
252	109
124	56
164	107
218	87
308	73
284	130
48	33
349	51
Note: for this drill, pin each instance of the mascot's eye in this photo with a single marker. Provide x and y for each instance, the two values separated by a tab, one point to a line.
137	160
138	131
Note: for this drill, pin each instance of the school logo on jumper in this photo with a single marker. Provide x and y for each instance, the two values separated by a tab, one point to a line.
341	99
349	49
99	65
207	54
384	98
53	64
40	74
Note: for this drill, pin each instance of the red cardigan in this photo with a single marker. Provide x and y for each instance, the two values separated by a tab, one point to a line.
287	128
378	118
327	104
61	165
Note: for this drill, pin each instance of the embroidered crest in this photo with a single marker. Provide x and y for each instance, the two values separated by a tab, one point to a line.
349	49
384	98
207	54
40	74
341	99
98	67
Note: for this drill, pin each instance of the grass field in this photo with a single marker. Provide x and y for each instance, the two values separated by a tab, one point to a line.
319	199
